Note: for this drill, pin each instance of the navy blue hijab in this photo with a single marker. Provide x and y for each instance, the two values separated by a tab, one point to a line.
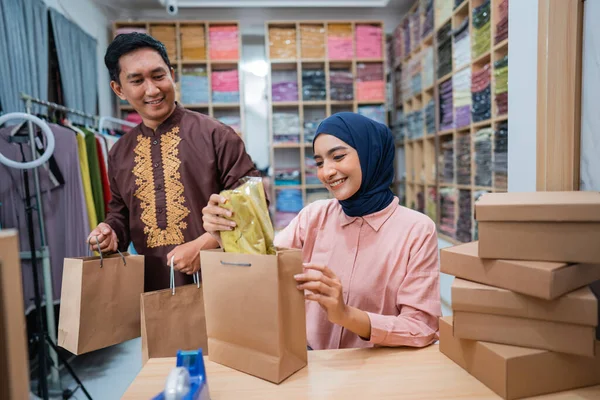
375	146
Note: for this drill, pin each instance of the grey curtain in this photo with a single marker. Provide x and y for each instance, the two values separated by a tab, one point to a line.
77	61
23	52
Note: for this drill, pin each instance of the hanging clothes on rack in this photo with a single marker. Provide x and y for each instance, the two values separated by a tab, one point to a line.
95	175
64	205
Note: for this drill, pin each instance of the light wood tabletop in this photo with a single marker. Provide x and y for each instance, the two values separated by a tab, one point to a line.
402	373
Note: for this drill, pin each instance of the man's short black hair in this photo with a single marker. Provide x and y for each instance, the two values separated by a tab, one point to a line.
126	43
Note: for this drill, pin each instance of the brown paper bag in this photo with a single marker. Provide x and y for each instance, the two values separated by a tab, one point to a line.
173	319
255	315
100	301
14	367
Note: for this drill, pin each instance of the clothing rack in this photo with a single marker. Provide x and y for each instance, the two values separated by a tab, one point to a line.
29	100
43	252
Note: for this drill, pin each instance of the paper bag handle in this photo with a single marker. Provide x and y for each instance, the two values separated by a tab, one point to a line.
234	264
102	258
172	277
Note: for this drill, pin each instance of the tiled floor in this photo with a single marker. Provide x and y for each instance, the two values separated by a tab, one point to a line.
108	373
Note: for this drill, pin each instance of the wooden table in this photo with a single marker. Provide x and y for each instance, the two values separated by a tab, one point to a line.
345	374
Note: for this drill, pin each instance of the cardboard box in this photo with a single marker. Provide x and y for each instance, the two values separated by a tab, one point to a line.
540	226
578	307
517	372
533	333
546	280
14	367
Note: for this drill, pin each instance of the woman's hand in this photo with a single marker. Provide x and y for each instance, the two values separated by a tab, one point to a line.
326	289
213	217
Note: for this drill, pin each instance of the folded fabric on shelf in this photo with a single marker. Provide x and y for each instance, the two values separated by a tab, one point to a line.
282	43
483	157
481	29
194	85
368	41
464	220
340	45
224	42
501	156
313	84
312	41
376	113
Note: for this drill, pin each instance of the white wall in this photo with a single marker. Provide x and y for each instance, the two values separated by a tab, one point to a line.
522	95
94	21
252	20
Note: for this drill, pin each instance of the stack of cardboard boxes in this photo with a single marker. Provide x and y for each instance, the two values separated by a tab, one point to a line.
525	297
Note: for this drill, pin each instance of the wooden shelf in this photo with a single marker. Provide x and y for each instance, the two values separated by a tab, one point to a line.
482	124
483	59
461	7
429	89
488	188
284	187
466	128
446	132
463	187
501	118
501	45
462	68
444	78
307	109
183	60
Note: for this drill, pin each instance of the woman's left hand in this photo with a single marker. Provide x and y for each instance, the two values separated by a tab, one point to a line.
325	288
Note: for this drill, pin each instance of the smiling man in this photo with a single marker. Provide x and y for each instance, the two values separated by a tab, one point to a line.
163	171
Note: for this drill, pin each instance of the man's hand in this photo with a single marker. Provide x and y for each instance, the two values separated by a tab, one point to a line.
106	236
187	255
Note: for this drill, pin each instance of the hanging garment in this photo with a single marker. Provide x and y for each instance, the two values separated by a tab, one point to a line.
64	207
103	174
85	176
95	176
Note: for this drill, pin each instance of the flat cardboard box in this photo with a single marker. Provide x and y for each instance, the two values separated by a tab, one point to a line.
14	367
518	372
540	226
546	280
578	307
533	333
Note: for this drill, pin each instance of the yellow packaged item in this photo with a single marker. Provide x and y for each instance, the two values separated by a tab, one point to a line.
253	233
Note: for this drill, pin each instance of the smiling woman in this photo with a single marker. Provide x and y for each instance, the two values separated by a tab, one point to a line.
371	266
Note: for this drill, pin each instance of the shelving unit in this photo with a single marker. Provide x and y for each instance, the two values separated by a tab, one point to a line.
461	160
189	43
301	54
415	91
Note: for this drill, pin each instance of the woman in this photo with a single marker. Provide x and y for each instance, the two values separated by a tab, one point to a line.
371	272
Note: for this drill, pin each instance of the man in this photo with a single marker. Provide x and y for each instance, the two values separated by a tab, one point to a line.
163	171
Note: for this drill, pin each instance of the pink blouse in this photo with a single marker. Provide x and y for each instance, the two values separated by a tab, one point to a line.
388	265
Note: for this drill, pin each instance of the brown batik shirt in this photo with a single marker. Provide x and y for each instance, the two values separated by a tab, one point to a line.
160	181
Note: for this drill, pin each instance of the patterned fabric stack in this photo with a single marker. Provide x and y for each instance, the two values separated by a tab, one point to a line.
284	85
481	89
368	41
431	209
406	36
502	25
476	196
415	124
462	98
447	211
224	42
406	83
312	41
225	86
286	127
370	84
415	69
233	121
194	85
483	157
430	117
341	85
310	171
427	10
399	127
289	204
443	11
287	177
481	29
193	42
446	109
501	156
415	26
428	67
446	162
462	45
463	160
444	39
376	113
313	85
464	221
339	42
166	35
457	3
398	53
501	89
282	43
